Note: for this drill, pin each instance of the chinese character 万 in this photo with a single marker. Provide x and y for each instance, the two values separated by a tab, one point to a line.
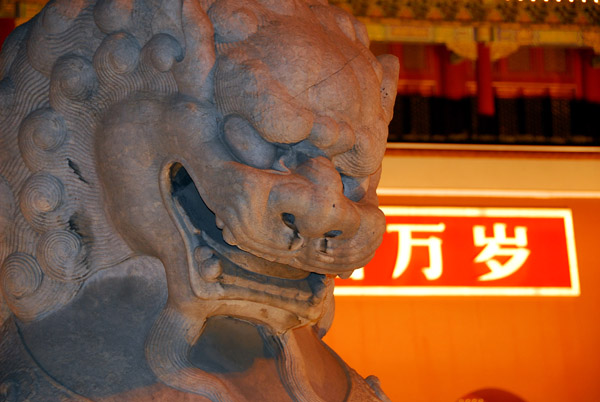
494	248
406	242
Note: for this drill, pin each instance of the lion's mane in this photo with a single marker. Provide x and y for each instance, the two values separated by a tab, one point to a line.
59	74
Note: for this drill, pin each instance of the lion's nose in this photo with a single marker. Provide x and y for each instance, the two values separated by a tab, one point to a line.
313	203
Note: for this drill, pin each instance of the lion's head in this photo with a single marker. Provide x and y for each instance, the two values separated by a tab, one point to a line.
238	142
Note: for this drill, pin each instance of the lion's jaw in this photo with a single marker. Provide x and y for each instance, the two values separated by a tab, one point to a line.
231	281
271	237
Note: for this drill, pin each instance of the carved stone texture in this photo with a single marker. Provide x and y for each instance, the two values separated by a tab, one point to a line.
180	182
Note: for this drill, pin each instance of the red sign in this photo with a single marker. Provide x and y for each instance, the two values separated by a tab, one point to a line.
471	251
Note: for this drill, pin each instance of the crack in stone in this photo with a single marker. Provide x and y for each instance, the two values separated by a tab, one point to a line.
264	111
328	77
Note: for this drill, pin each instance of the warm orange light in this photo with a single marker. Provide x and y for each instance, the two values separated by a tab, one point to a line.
558	1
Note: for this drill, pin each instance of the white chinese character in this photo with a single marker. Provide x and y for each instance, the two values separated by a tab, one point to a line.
406	242
493	248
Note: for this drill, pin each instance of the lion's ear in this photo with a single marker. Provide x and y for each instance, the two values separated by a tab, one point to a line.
389	83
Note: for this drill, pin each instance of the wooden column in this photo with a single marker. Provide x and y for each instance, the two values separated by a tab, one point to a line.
454	76
485	92
6	27
591	78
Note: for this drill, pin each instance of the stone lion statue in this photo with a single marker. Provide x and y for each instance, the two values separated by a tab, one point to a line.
180	182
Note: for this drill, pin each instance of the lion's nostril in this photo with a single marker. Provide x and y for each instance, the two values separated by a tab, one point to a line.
323	245
333	233
289	220
296	243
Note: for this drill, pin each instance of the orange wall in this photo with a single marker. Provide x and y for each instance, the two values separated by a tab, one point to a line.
433	348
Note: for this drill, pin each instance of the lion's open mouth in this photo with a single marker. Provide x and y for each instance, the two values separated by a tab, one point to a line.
242	275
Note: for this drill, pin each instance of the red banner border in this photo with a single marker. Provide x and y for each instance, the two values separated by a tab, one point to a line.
563	213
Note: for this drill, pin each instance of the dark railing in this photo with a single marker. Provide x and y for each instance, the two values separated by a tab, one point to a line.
526	121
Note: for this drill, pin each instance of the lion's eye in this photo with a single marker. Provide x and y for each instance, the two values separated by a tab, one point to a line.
355	188
247	144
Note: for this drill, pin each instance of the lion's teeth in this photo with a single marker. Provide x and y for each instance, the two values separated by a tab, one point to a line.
228	237
303	296
328	259
345	275
209	265
211	269
296	243
289	293
202	254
